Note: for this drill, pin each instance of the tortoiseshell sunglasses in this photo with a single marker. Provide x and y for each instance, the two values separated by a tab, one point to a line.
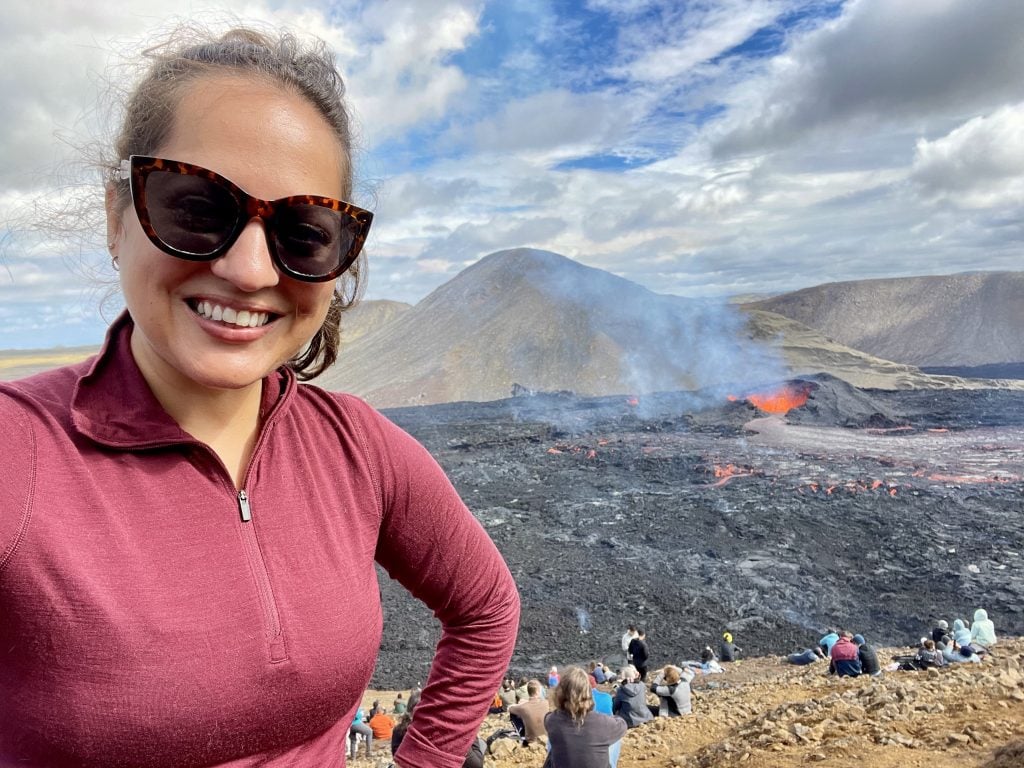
193	213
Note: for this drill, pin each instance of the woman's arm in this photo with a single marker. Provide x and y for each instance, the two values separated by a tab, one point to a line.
433	545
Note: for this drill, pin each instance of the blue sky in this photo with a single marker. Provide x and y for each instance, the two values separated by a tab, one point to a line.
704	148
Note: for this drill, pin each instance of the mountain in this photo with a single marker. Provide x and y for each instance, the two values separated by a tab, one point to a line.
546	322
950	321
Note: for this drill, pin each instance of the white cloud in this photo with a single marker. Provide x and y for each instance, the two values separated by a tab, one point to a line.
882	63
979	164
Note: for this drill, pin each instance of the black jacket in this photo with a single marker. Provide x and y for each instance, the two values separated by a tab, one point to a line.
868	660
638	650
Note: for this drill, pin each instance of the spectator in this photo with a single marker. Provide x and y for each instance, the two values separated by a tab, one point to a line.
553	678
828	641
399	708
845	658
528	718
940	630
507	693
868	657
639	653
806	656
727	650
983	631
630	701
522	690
927	656
672	686
578	736
628	636
382	725
357	729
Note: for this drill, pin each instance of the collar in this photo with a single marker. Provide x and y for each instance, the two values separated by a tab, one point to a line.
113	405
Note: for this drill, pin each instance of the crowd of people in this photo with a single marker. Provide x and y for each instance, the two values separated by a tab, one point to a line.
850	655
581	715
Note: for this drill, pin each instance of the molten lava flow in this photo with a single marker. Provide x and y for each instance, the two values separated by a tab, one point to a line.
727	472
781	399
633	401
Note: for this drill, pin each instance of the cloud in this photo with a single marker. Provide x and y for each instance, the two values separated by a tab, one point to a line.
882	63
980	164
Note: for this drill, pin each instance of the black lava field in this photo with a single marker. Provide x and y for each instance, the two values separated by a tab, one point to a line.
877	511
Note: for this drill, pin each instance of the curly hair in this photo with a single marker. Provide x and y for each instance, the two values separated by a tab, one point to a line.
573	694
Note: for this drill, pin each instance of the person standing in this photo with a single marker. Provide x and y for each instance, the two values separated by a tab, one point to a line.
639	652
627	637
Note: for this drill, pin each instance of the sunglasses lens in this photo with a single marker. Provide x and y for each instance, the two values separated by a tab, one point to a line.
190	214
313	241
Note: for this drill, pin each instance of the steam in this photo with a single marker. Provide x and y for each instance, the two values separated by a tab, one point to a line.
640	342
583	619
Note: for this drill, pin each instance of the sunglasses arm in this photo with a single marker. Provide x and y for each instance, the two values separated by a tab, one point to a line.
124	172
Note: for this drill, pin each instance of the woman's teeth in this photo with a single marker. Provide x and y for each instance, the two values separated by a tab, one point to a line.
241	317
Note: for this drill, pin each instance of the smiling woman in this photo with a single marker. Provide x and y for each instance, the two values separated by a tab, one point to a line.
187	533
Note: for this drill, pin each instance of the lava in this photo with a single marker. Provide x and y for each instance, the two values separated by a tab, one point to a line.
781	399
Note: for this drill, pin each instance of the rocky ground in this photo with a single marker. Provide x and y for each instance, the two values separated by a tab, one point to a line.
877	511
765	714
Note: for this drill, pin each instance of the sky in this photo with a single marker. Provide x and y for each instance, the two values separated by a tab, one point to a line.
704	148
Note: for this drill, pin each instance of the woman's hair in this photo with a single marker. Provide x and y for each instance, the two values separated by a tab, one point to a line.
304	68
573	694
629	673
671	675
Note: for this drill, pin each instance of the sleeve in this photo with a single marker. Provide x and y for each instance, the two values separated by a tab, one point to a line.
17	477
431	544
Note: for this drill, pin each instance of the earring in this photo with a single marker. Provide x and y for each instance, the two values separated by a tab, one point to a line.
113	261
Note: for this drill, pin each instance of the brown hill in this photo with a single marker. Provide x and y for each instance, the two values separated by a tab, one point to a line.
955	320
367	316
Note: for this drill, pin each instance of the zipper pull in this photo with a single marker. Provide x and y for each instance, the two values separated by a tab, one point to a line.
243	506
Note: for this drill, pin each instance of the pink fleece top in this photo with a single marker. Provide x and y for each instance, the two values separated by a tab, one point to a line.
151	615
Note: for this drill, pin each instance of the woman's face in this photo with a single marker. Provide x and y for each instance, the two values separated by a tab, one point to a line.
273	144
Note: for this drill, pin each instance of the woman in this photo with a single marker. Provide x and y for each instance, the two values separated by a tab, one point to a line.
630	702
672	686
187	534
578	736
983	631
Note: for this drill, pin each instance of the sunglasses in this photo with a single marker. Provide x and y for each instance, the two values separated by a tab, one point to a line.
193	213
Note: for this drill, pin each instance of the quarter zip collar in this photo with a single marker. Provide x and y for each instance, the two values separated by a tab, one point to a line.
113	405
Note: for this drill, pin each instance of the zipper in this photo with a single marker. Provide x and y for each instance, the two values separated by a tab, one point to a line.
259	570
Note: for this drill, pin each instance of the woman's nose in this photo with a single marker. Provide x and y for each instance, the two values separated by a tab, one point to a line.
248	265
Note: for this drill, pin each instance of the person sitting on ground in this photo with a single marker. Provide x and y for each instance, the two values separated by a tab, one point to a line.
475	756
553	678
399	706
727	650
578	736
927	656
845	657
602	674
708	662
590	674
528	717
828	641
522	690
964	653
602	700
868	657
640	653
374	709
672	685
940	630
806	656
507	693
382	725
983	631
630	701
960	632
